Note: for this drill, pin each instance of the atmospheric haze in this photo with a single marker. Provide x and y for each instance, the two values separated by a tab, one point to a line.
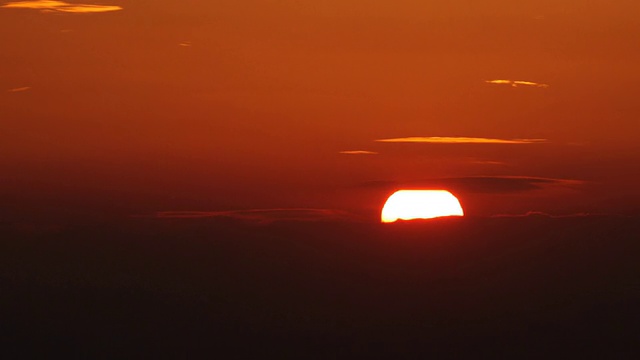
207	179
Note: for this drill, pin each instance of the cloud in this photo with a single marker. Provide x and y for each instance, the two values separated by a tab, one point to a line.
544	214
261	215
479	184
516	83
358	152
19	89
460	140
489	162
60	6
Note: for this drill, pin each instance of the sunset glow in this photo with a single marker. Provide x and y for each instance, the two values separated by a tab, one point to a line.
420	204
334	178
219	106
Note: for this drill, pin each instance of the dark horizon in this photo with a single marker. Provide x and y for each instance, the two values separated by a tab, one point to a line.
525	287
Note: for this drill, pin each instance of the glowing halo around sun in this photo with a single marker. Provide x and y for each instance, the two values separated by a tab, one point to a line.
420	204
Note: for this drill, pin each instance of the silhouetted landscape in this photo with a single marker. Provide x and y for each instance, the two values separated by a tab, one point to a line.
530	286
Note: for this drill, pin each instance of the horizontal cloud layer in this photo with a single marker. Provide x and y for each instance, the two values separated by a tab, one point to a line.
60	6
261	215
459	140
516	83
544	214
478	184
358	152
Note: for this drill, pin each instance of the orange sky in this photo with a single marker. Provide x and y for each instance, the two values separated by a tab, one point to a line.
220	105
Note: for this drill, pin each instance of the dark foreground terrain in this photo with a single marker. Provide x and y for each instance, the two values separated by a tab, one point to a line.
530	287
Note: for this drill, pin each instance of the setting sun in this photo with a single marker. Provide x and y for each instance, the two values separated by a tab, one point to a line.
420	204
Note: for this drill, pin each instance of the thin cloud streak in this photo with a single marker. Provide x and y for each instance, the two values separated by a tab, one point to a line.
516	83
544	214
459	140
60	6
20	89
489	162
82	8
358	152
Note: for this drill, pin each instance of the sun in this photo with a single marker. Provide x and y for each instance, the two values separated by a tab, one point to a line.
420	204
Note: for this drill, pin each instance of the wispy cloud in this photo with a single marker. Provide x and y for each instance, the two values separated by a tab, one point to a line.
60	6
489	162
547	215
185	44
516	83
261	215
19	89
358	152
460	140
479	184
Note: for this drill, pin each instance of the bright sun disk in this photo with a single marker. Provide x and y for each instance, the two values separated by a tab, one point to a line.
420	204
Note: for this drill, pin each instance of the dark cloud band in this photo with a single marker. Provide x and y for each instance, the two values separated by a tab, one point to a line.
477	184
261	215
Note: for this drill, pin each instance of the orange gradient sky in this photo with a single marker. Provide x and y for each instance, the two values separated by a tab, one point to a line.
228	105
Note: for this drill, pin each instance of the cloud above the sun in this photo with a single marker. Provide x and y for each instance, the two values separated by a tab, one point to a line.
516	83
358	152
459	140
60	6
480	184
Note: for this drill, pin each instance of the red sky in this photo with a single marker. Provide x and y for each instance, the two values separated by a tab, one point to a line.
220	105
